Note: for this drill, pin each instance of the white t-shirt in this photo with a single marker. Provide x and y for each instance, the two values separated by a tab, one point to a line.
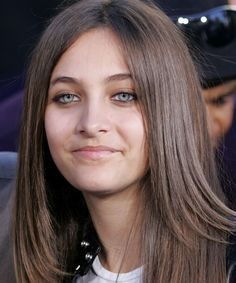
100	275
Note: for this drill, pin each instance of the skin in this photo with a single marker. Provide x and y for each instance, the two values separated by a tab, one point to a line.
96	136
220	106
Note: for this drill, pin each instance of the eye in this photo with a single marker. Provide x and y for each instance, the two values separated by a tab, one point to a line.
66	98
220	101
124	97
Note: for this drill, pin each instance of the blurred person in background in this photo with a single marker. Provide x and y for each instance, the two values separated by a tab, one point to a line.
210	30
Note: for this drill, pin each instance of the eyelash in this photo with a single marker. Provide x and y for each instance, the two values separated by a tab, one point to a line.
74	98
60	97
130	97
219	101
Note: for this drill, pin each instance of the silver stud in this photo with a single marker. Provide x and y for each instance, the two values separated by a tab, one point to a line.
84	244
88	256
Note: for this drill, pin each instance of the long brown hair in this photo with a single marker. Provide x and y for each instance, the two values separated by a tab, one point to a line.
185	222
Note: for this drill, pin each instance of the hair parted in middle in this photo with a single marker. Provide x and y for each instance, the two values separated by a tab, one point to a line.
185	220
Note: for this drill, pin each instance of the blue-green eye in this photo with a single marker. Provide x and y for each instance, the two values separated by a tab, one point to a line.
66	98
124	97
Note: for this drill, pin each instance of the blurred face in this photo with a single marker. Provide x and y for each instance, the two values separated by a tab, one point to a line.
220	106
93	123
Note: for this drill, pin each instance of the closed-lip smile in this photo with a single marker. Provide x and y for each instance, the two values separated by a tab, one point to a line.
95	152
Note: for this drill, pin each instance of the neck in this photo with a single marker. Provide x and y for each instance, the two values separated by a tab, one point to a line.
117	220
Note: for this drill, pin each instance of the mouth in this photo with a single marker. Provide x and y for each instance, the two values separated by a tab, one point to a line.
95	152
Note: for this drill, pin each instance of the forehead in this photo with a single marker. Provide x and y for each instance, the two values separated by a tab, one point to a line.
98	51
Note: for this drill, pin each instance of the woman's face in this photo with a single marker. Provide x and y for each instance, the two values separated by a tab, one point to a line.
220	106
93	123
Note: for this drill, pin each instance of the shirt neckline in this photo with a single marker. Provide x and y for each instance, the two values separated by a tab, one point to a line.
108	275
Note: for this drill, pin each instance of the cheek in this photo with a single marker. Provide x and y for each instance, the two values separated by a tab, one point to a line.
214	123
209	116
131	127
57	128
227	115
134	135
220	119
224	117
51	127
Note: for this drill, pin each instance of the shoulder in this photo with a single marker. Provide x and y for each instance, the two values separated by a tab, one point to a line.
7	164
8	161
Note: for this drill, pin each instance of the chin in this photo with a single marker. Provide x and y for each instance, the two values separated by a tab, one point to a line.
103	188
99	193
96	185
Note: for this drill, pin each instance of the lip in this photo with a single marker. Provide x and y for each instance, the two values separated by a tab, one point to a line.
95	152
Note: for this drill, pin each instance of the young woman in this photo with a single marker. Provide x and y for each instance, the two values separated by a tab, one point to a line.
115	160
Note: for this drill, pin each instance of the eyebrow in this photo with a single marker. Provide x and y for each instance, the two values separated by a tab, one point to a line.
72	80
118	77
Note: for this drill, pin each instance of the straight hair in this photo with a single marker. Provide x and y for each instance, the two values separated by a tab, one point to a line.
185	223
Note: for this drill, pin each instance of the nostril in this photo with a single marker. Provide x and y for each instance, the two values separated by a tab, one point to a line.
93	118
93	129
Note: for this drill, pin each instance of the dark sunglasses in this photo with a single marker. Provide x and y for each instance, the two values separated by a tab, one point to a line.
215	27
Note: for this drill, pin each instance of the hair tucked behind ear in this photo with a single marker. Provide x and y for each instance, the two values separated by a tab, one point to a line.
185	222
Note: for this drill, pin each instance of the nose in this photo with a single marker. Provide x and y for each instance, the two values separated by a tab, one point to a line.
93	119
